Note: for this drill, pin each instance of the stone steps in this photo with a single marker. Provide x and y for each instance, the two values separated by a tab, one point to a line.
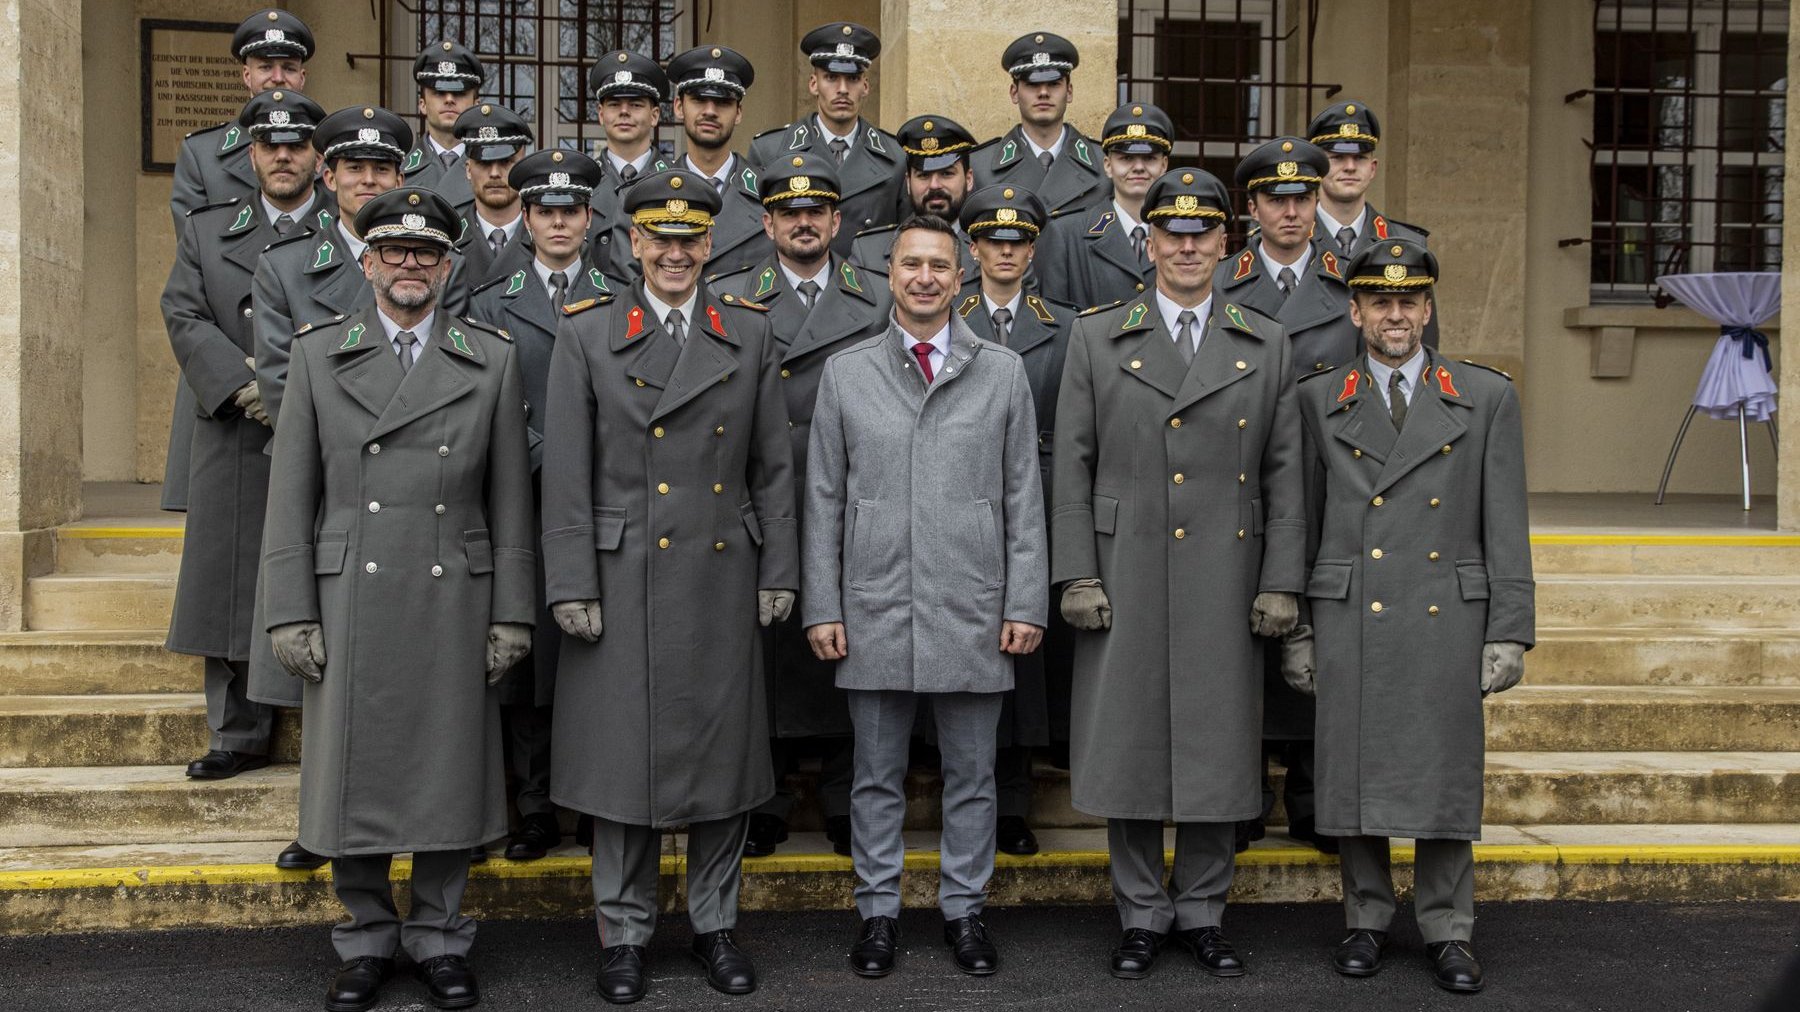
103	547
1669	602
112	730
90	601
62	663
145	805
127	887
1649	655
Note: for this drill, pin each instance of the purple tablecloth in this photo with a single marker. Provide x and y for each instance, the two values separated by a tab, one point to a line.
1737	373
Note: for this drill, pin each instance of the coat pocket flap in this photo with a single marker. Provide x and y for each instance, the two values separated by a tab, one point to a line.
328	552
1473	578
751	524
480	551
1106	514
1329	580
609	528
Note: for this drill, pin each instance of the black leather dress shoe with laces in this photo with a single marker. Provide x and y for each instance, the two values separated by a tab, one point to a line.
1136	951
765	834
1214	952
297	858
622	974
449	982
876	942
728	970
358	984
971	947
1359	954
219	764
1456	968
1013	836
537	835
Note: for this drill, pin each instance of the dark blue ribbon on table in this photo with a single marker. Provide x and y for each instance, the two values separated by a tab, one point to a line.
1750	341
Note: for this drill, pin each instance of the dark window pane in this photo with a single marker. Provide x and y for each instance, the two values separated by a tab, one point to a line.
1639	78
1753	73
1227	52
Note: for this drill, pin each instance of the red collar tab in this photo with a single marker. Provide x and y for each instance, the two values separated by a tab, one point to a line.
636	325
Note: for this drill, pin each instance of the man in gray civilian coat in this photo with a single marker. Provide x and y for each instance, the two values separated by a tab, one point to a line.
1178	523
924	575
398	568
1422	603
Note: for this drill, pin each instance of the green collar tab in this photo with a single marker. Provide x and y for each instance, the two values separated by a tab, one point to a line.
461	341
1081	152
243	220
598	279
1009	152
851	281
516	285
1137	315
414	159
232	137
353	338
766	283
325	253
1236	316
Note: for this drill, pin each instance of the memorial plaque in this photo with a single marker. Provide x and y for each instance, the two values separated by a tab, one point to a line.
190	82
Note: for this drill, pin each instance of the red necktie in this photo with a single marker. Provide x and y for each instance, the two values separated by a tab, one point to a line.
922	352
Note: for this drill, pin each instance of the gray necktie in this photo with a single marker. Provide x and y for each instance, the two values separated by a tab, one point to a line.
1396	400
809	292
1286	281
839	149
283	223
448	158
677	326
719	185
1002	325
1346	238
1184	335
406	339
1045	158
559	288
628	173
1138	238
496	239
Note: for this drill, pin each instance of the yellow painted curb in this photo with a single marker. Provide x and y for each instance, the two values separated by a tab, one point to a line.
84	533
918	860
1674	540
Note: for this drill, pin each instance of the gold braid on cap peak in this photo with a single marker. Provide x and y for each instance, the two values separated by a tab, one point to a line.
793	194
940	149
1297	178
1382	283
986	223
662	214
1172	211
1356	133
1145	137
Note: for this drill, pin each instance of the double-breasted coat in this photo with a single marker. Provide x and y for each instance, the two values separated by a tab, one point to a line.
1085	259
1179	487
924	525
206	307
1316	315
871	179
400	520
669	497
1075	179
520	305
853	306
1423	556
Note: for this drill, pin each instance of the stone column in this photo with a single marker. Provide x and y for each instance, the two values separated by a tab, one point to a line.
40	287
1787	476
944	56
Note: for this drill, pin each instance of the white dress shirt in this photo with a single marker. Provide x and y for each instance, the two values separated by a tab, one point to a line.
661	309
641	162
1128	221
544	271
1054	149
940	348
353	247
826	132
1274	266
509	229
721	179
1409	376
795	279
439	151
1171	314
422	331
272	212
1334	226
1012	307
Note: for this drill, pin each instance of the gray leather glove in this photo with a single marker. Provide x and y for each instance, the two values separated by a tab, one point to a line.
578	618
508	643
1084	605
248	398
1502	665
1274	614
773	606
300	647
1297	661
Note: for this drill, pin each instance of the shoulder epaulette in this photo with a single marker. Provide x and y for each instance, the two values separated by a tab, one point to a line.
293	236
1319	372
206	130
984	145
585	304
1421	231
475	324
306	328
491	282
877	230
734	272
1059	212
1091	310
1489	368
772	130
1265	315
732	300
209	207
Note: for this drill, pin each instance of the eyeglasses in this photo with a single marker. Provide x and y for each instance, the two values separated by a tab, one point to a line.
424	256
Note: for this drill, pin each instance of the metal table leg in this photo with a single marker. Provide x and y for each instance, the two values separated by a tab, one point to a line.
1668	468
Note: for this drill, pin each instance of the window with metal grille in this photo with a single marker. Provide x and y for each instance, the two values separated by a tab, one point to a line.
1217	68
537	54
1689	113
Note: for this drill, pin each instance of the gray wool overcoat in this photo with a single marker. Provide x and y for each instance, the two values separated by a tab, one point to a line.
924	514
400	520
1424	555
1180	489
668	496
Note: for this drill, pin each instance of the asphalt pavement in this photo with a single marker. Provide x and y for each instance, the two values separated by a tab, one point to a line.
1543	956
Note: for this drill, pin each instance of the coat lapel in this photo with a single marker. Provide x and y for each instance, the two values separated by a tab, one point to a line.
1222	360
1358	417
844	304
1074	172
364	364
1146	351
437	378
870	164
1436	418
701	361
1114	246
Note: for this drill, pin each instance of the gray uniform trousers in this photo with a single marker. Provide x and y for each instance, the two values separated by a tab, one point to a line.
627	861
238	725
434	926
1205	859
528	756
967	723
1443	886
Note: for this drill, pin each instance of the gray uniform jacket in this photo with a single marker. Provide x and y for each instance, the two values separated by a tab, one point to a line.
609	234
669	496
853	306
871	180
924	523
482	267
1075	179
206	307
872	248
738	239
1398	637
1085	259
1316	315
1180	488
1374	228
400	520
423	168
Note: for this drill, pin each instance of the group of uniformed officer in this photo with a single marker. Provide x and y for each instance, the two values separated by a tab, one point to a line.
1260	477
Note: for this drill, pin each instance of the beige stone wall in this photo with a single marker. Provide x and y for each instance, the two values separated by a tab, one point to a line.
109	68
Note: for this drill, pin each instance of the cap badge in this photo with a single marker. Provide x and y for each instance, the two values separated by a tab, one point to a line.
274	35
274	16
447	45
1038	59
278	117
623	57
488	133
800	183
1187	202
622	77
368	113
1350	110
556	156
1394	272
413	199
1396	250
675	184
487	110
799	161
559	179
413	221
1137	110
845	48
928	144
928	126
847	29
1187	177
1134	130
277	96
1287	170
1007	193
1006	214
676	207
716	53
1287	146
1348	130
1039	39
446	68
369	135
715	73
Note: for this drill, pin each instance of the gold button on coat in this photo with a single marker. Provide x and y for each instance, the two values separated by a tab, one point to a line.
443	451
662	542
439	508
1174	423
720	431
437	570
657	432
785	374
1356	453
1377	500
1240	535
718	546
1243	364
1434	504
1375	553
1431	610
1434	556
1180	533
663	488
717	489
1243	423
1135	363
374	447
638	382
1376	607
1241	477
1446	447
1179	477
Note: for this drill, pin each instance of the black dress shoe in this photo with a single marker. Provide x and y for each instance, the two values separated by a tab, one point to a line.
766	833
1215	954
1359	954
837	830
221	765
449	982
298	858
1304	831
536	835
358	984
728	970
1013	836
873	953
622	974
478	855
1247	832
1136	951
969	943
1456	969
